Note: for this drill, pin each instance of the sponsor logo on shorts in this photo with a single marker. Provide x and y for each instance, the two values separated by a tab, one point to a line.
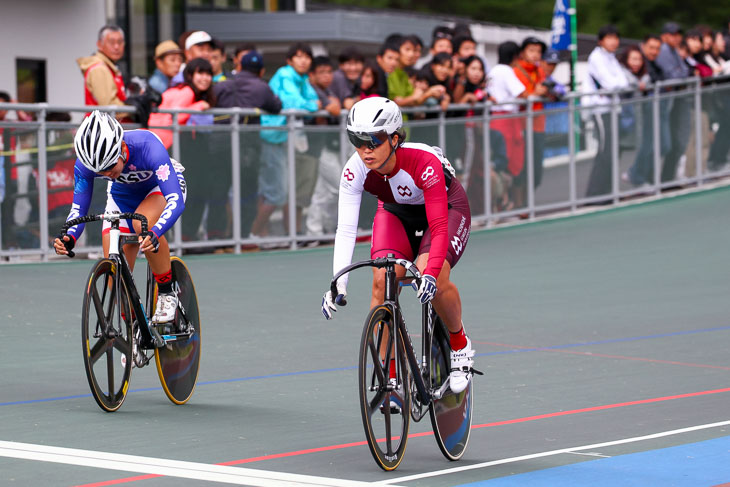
404	191
457	245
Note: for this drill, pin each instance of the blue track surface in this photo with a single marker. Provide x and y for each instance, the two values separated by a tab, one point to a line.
704	463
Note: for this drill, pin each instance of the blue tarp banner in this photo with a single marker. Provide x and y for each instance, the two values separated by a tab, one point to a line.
560	38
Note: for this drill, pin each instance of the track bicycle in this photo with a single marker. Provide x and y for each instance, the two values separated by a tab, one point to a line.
390	398
117	333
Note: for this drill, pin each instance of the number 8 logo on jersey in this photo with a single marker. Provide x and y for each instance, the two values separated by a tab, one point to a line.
427	173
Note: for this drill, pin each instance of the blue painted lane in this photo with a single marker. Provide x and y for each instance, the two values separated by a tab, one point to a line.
706	463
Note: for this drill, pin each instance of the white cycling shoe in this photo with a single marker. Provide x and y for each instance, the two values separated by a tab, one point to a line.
461	367
166	307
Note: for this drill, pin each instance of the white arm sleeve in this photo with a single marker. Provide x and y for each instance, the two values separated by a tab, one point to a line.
348	214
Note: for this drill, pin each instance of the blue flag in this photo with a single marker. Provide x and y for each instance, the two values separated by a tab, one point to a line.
560	38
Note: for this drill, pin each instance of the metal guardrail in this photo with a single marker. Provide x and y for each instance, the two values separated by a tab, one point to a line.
579	136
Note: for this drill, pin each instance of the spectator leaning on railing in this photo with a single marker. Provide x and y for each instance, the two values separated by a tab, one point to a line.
504	88
347	78
530	73
642	171
247	90
678	120
291	84
604	73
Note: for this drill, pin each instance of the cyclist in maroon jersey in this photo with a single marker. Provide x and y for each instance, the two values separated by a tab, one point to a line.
423	215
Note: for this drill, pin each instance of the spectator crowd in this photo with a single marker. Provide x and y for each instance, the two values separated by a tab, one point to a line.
191	73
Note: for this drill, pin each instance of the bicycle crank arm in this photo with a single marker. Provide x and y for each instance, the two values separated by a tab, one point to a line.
439	393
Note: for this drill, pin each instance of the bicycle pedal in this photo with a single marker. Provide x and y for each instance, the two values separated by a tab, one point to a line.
394	408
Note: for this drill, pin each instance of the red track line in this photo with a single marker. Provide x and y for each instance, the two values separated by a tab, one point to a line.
602	355
429	433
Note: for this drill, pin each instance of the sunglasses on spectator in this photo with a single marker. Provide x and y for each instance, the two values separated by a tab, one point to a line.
371	141
442	35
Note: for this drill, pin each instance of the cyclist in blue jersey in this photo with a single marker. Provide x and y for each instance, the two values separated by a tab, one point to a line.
142	179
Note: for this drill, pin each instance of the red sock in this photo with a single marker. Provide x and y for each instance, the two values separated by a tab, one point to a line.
458	339
164	281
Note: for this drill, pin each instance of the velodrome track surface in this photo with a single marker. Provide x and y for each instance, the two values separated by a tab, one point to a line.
603	338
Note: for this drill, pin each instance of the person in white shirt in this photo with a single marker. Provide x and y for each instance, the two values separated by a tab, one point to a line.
604	73
504	87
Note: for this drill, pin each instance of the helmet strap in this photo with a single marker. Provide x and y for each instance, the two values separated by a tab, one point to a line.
392	151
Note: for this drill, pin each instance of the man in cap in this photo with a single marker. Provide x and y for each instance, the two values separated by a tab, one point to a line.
168	59
246	89
197	44
673	66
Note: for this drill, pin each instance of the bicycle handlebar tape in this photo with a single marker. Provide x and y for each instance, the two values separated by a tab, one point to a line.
342	301
142	220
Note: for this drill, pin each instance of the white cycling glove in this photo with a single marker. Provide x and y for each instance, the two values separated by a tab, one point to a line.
328	304
427	290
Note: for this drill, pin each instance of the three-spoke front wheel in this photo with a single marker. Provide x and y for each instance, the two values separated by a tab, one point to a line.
385	401
106	335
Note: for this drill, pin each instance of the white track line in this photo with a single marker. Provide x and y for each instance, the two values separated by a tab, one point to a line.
550	453
169	468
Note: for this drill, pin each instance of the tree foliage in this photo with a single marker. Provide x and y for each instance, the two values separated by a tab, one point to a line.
634	18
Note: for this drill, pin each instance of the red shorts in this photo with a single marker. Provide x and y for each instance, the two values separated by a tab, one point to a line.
406	233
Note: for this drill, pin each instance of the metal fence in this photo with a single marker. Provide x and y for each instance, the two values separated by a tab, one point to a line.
677	133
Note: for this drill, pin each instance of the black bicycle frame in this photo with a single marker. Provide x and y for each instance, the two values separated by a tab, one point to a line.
148	339
391	302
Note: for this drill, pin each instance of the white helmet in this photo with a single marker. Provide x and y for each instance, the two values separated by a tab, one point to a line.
373	120
98	141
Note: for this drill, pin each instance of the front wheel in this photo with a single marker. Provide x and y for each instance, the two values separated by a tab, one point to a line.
178	361
106	335
385	401
450	415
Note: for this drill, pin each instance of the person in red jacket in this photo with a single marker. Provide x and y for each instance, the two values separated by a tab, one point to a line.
529	71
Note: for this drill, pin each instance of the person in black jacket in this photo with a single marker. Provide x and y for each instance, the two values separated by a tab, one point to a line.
247	90
642	171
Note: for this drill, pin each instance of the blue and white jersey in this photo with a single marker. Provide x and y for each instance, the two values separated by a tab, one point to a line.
148	166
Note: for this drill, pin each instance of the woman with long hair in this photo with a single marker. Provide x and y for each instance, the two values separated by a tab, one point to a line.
368	85
195	93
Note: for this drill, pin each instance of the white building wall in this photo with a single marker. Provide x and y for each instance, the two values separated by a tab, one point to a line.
58	31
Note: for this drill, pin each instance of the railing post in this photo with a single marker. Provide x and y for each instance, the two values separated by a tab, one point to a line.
615	110
487	162
530	159
572	183
656	129
176	155
442	131
236	176
43	183
292	175
698	130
